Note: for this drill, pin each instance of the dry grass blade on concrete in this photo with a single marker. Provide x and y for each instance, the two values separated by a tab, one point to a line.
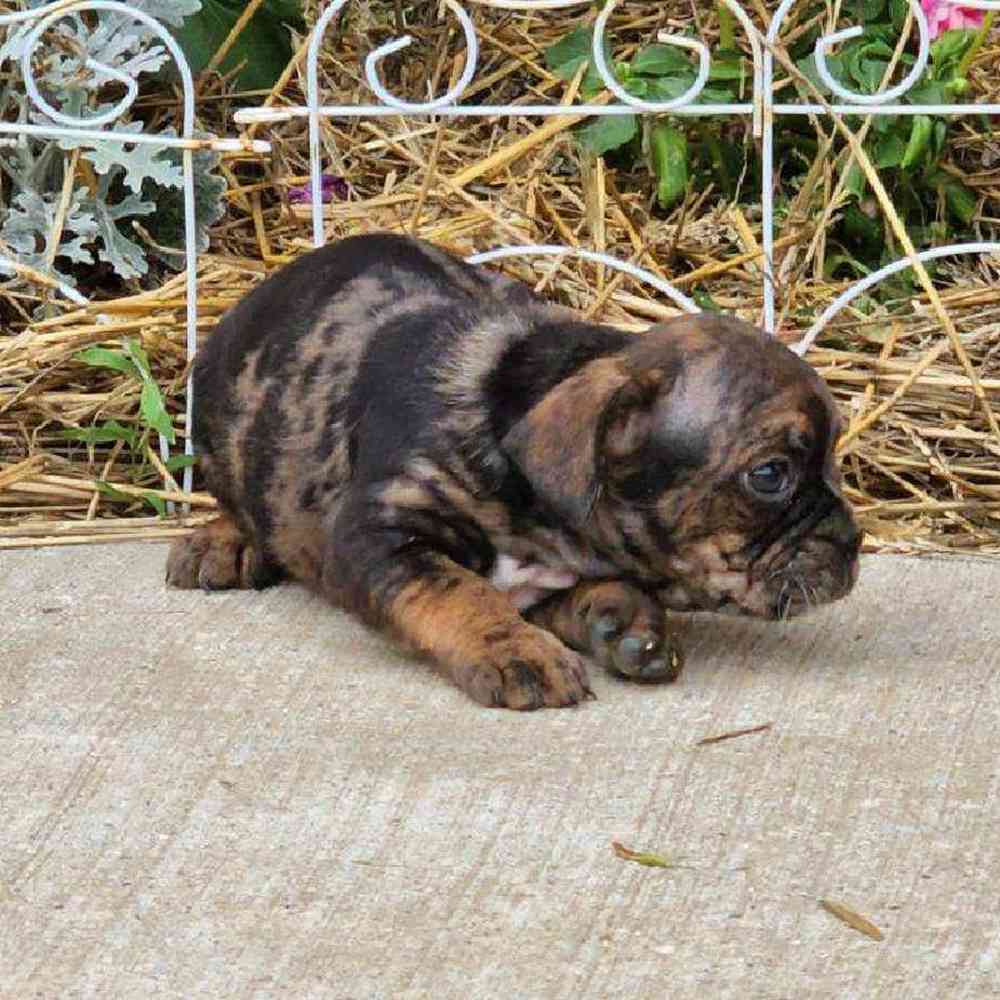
852	919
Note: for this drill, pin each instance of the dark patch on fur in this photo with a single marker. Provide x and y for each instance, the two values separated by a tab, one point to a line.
262	452
534	365
307	497
310	372
387	434
333	425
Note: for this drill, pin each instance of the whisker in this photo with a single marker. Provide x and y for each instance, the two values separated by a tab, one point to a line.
784	603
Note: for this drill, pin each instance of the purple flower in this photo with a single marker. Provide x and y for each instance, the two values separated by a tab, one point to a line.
332	188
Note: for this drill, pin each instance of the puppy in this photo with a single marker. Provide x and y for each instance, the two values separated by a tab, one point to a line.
501	485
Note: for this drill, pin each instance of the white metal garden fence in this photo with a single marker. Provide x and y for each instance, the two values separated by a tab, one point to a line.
761	109
91	129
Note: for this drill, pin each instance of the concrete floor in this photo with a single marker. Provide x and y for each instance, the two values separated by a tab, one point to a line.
249	795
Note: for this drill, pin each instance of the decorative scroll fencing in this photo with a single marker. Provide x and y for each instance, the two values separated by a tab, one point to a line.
762	110
90	129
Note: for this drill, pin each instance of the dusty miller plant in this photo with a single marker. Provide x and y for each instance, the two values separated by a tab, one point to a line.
121	184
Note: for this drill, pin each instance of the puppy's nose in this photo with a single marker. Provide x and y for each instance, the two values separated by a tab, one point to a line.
842	529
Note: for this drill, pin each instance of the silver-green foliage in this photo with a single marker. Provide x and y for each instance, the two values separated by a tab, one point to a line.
130	182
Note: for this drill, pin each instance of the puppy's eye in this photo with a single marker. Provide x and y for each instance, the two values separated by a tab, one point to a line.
770	480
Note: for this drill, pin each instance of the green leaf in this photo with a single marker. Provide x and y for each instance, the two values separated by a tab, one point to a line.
109	431
728	66
852	61
867	60
601	135
179	462
920	137
876	48
868	10
571	52
264	47
890	151
949	48
101	357
704	301
106	489
881	124
927	92
960	200
636	86
568	54
153	412
139	356
592	85
864	231
660	60
807	67
157	503
836	261
669	151
872	74
666	88
939	135
856	183
287	10
899	9
715	95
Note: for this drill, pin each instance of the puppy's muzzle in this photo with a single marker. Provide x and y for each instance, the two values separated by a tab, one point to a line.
823	569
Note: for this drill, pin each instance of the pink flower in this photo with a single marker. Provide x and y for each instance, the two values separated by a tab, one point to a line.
943	16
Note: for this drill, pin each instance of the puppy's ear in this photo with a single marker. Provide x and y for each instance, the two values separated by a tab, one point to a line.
563	443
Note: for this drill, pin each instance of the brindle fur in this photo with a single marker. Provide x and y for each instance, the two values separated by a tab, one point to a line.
395	427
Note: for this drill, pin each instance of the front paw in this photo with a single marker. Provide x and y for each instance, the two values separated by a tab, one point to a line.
525	668
628	634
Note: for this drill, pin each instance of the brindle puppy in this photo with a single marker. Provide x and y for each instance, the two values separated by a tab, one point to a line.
500	484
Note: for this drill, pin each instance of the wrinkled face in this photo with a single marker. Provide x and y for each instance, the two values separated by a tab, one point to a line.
701	463
764	530
733	497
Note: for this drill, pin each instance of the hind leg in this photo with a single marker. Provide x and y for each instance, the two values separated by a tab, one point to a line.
219	556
